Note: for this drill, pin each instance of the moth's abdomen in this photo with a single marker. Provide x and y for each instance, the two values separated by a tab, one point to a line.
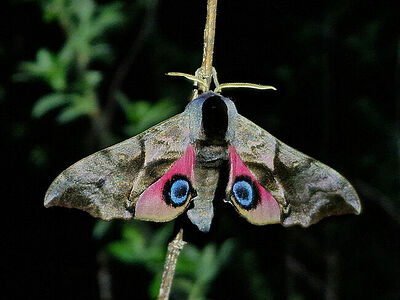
205	184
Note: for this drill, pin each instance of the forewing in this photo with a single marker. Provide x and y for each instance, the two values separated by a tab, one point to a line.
108	183
306	189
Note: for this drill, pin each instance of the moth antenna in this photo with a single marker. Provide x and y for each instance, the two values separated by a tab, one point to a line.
193	78
201	81
197	82
243	85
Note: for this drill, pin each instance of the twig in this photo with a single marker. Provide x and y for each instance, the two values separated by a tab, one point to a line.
174	249
208	48
205	73
209	36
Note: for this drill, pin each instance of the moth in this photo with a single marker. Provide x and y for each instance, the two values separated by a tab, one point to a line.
158	174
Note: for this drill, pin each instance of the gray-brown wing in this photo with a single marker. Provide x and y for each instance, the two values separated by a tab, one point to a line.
107	183
306	189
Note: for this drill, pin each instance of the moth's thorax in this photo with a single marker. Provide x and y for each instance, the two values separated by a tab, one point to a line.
214	123
212	119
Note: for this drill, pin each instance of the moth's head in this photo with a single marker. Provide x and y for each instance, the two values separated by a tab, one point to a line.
212	117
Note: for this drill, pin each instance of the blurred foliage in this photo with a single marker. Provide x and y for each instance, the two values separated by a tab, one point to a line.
142	114
195	270
73	85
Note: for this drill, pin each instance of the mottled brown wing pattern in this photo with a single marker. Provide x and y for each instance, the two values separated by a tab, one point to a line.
107	183
306	189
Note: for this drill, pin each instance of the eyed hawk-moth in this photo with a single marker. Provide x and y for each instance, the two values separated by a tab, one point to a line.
157	174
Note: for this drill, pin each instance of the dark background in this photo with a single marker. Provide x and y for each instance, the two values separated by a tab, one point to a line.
336	67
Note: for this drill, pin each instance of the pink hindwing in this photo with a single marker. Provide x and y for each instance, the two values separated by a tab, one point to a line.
170	195
251	199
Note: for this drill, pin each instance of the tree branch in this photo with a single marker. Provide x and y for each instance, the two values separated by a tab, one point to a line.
174	249
208	47
206	73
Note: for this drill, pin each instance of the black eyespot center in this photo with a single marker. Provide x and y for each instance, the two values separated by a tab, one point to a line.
177	190
245	192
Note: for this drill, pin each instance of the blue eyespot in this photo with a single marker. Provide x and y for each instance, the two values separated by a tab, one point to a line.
243	192
179	191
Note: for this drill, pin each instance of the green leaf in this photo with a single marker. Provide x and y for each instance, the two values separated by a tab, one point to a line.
102	52
44	59
207	266
48	67
154	287
81	105
123	251
183	284
160	238
47	103
188	260
225	252
68	115
132	235
142	114
101	228
92	78
131	248
83	9
109	16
